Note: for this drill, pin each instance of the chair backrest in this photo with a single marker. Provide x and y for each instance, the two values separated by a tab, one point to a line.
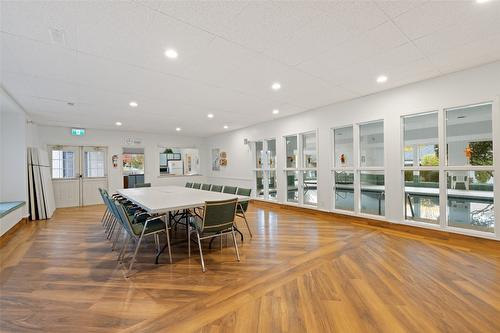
102	194
229	189
246	192
197	186
206	187
189	185
122	217
216	188
219	215
143	185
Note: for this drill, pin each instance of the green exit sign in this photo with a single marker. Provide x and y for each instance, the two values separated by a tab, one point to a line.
78	131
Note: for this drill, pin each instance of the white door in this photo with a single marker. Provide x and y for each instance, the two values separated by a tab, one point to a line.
94	175
65	165
77	174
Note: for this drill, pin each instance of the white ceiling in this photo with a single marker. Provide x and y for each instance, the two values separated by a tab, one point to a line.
229	55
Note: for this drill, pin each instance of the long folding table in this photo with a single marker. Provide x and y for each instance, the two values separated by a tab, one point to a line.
166	199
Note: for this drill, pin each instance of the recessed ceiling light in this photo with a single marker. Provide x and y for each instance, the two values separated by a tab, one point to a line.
171	54
276	111
118	123
210	115
226	127
381	79
133	104
178	129
276	86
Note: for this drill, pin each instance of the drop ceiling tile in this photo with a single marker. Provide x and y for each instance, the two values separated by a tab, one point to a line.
358	16
363	77
396	8
468	55
473	29
34	19
432	16
328	66
276	21
212	16
317	37
35	58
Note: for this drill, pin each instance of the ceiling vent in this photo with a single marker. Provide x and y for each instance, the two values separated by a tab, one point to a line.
57	36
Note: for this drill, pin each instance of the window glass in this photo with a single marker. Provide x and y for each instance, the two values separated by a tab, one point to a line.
310	187
421	140
469	136
260	183
343	147
471	200
371	144
271	153
372	192
259	146
309	157
63	164
292	183
94	164
291	151
422	196
273	187
344	190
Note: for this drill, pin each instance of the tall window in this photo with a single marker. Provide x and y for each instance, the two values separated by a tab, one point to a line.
469	168
421	167
63	164
302	168
265	169
94	163
371	168
343	162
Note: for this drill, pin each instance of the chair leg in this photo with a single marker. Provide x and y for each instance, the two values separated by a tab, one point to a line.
104	216
106	219
246	222
157	243
111	226
235	245
189	240
168	245
119	231
124	248
201	253
135	253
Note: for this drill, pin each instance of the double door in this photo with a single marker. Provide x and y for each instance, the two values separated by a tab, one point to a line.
77	174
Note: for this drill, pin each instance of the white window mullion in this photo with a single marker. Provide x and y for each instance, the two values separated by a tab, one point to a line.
443	183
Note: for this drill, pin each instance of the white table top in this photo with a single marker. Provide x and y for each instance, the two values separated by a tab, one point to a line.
162	199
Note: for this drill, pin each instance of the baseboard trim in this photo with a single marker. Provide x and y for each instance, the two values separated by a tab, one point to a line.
7	236
367	222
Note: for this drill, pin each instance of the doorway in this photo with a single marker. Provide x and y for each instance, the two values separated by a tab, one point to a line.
133	167
77	173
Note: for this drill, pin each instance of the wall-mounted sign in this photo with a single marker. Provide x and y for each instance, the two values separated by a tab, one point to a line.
78	131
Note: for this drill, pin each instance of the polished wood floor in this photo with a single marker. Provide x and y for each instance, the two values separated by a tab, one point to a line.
300	273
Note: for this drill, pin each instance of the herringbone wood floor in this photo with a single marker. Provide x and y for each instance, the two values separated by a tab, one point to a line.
300	273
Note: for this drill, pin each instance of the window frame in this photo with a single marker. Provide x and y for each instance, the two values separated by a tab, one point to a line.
444	168
265	168
300	169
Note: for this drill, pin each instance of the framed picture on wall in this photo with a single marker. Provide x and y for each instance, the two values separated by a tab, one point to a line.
215	159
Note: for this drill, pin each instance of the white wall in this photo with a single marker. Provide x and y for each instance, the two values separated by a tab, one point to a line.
462	88
115	141
13	169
